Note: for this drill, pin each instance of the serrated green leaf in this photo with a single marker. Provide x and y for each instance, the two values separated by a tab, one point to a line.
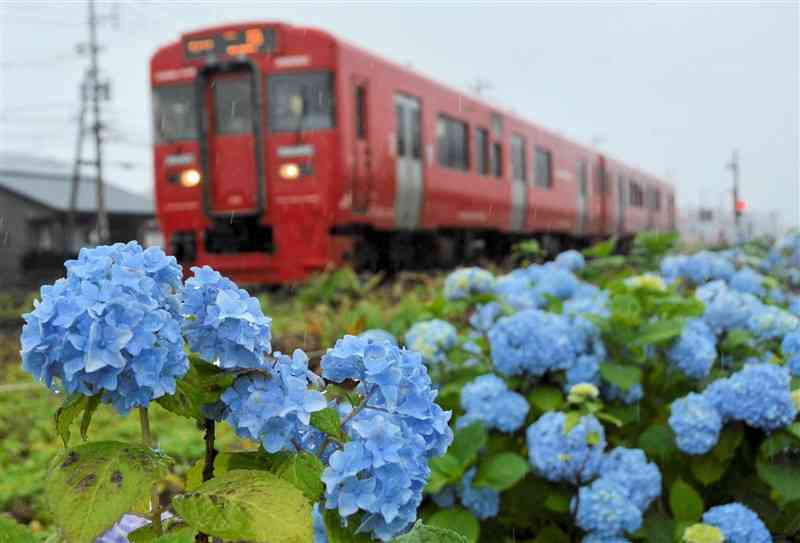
546	398
502	471
337	533
422	533
658	332
91	486
72	407
328	422
177	532
467	442
684	501
91	406
621	375
225	462
457	520
202	385
707	469
782	474
445	469
248	504
658	442
303	470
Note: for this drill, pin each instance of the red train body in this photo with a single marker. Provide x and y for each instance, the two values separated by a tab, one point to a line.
282	150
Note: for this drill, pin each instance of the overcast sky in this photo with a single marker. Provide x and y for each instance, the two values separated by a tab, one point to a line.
672	88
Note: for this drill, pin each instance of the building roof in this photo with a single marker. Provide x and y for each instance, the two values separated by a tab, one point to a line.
49	181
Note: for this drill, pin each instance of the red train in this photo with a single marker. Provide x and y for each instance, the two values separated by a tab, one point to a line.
282	150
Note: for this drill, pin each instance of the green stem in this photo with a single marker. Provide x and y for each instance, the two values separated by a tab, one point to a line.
208	466
147	439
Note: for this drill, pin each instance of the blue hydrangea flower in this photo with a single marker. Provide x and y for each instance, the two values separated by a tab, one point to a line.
445	498
738	524
570	260
696	424
794	306
466	282
225	325
552	280
485	316
274	408
318	523
726	309
604	509
377	335
432	339
558	455
790	346
631	396
758	395
770	322
393	433
597	538
748	280
111	327
695	350
488	399
531	342
124	526
640	479
516	290
483	502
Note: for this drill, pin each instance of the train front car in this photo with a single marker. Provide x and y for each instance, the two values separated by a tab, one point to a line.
246	150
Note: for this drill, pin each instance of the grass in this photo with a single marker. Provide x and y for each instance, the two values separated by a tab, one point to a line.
311	317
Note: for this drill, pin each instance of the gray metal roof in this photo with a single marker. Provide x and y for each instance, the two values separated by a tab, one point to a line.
48	182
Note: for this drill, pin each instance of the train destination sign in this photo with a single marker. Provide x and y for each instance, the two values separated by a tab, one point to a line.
231	43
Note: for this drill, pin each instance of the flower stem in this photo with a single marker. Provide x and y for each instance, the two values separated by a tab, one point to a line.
208	466
147	438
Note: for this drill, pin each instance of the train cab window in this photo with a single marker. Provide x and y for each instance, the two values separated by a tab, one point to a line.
300	102
518	159
361	112
482	164
452	138
233	105
543	168
496	159
174	115
636	194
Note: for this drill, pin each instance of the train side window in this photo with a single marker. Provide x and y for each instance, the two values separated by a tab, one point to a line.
636	194
482	161
400	116
452	138
361	111
656	199
583	177
416	133
518	159
496	159
543	168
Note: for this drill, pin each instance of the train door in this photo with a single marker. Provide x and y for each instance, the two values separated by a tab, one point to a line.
583	196
408	162
519	183
362	159
622	197
231	162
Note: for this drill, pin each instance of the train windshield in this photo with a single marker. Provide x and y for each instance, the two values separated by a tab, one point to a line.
300	102
174	115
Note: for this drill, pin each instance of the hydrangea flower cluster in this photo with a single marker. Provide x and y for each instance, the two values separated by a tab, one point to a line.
377	335
748	280
487	399
566	456
616	501
225	325
481	501
531	342
432	339
695	350
784	258
112	326
393	433
274	408
466	282
790	346
737	523
758	395
570	260
484	317
698	268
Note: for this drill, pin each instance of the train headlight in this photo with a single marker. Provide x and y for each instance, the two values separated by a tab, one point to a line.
190	178
289	171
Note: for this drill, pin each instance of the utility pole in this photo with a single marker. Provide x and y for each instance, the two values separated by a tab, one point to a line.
734	166
76	167
97	127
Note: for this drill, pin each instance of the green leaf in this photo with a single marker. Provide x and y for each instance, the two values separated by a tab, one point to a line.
342	534
303	470
552	534
445	469
457	520
707	469
91	486
572	419
12	532
203	384
502	471
328	422
658	529
421	533
546	398
558	500
782	474
601	249
660	331
225	462
467	442
623	376
177	532
72	407
248	504
685	502
736	339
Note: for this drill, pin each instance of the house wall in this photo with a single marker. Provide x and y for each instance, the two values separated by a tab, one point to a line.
16	236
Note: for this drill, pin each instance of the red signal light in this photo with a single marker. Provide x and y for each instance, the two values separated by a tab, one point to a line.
741	206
